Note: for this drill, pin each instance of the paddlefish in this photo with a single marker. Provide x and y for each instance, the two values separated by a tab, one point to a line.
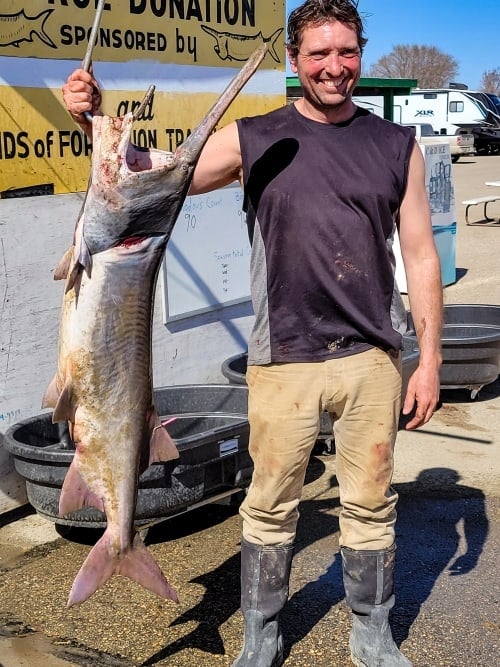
103	384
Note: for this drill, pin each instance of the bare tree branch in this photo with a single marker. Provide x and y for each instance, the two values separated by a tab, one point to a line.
431	67
490	83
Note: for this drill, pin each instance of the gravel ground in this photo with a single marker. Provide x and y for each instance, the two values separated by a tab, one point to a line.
448	541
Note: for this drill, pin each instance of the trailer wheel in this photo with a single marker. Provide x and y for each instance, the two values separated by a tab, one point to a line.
455	158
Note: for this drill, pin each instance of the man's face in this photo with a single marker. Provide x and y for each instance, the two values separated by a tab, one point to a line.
328	65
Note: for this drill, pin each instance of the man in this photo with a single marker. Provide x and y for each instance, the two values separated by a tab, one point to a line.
326	185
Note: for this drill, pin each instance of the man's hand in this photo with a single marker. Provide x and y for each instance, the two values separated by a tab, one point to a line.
422	396
81	94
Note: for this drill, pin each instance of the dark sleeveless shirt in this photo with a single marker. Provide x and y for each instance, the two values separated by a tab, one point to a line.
322	202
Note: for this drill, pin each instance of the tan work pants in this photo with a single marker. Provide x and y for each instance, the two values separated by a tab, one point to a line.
362	392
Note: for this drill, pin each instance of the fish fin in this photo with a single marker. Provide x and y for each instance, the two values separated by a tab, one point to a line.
74	278
75	494
270	42
136	564
51	395
64	409
85	256
83	263
62	269
161	445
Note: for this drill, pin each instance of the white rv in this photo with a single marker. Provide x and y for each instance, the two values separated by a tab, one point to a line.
453	111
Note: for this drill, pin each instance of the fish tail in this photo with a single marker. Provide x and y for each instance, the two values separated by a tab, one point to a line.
136	564
271	44
40	31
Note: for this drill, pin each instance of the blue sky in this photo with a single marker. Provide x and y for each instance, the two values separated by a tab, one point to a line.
467	30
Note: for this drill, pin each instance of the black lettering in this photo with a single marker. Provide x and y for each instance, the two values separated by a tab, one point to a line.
192	47
194	11
140	41
39	147
80	35
179	41
117	39
128	39
147	114
169	133
64	141
248	12
105	37
66	37
22	143
179	8
162	42
76	143
158	7
179	138
137	6
122	108
8	146
81	4
50	142
175	137
145	138
232	19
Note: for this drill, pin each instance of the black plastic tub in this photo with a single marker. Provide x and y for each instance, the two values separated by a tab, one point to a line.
211	433
471	346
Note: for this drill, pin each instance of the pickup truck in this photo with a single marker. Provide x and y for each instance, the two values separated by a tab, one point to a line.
461	143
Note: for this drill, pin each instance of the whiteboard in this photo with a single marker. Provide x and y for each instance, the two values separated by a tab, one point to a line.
207	261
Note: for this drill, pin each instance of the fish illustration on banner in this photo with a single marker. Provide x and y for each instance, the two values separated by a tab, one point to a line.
17	28
229	46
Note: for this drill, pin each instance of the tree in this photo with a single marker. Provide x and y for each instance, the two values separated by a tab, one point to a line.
490	83
431	67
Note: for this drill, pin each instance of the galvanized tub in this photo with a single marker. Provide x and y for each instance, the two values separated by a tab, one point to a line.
210	430
470	344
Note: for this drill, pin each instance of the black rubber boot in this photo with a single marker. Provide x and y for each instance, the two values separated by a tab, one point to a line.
368	583
265	572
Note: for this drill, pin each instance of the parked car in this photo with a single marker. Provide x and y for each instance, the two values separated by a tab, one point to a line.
461	143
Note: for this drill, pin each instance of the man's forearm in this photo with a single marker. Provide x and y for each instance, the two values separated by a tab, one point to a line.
425	294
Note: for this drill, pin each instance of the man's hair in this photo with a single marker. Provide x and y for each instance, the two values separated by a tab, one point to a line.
318	12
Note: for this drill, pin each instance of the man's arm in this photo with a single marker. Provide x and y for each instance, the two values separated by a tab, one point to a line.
81	94
219	163
425	293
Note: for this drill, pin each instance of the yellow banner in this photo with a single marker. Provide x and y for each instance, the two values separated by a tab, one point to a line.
188	32
48	153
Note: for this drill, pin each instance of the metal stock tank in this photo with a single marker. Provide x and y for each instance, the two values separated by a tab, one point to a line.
470	345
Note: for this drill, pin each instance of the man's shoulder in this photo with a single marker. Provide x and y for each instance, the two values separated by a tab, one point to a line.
269	119
383	124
